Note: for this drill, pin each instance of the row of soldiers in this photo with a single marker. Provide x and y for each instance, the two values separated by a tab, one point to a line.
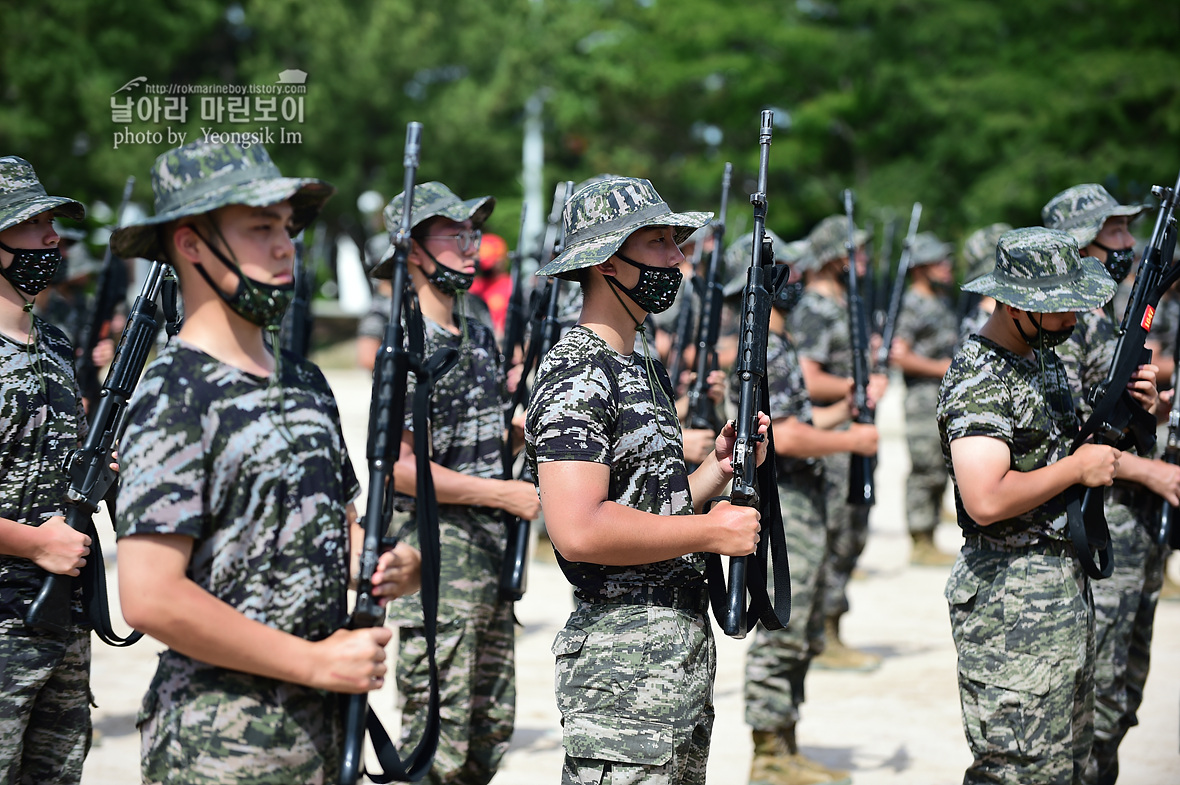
238	536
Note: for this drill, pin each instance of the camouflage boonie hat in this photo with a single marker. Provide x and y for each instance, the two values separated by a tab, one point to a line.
22	196
599	217
828	237
430	200
737	258
928	249
979	249
1083	209
1040	270
201	177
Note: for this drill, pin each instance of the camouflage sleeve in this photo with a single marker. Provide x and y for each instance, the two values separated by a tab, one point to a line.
908	320
372	324
810	331
575	425
163	462
974	401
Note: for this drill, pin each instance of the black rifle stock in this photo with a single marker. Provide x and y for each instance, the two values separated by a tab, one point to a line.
702	413
109	291
91	478
860	471
1117	419
903	267
386	413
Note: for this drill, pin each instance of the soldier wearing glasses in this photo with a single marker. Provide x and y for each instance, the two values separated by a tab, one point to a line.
475	646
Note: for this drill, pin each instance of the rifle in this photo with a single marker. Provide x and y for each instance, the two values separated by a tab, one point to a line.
299	319
109	291
1116	418
91	478
903	267
860	472
512	570
1169	533
881	273
386	415
747	574
701	411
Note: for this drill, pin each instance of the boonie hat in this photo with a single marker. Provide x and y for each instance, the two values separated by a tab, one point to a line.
1083	209
201	176
979	249
22	196
430	200
1040	270
828	237
600	216
928	249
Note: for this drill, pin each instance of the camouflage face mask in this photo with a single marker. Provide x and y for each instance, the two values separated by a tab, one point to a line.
449	282
31	270
1118	261
256	302
656	289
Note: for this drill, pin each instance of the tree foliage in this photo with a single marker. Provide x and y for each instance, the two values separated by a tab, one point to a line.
981	109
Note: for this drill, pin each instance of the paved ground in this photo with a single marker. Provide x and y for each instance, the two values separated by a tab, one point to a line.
897	726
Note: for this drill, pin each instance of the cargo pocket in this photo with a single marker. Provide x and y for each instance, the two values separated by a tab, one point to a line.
1004	697
147	707
618	739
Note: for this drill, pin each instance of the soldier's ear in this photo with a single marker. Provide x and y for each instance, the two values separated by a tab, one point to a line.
608	267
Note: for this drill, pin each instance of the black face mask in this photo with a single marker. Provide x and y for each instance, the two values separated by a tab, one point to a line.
256	302
1044	339
449	282
1118	261
656	289
31	270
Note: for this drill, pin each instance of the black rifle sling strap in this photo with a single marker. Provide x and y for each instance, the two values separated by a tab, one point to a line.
769	558
417	764
93	577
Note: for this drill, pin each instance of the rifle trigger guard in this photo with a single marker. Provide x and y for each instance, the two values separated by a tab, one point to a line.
388	543
709	504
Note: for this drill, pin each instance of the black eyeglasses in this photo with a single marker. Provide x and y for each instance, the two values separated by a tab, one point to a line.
467	240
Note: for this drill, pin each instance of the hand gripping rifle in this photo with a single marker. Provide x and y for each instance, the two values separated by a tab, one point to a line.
860	472
748	574
109	291
1117	419
702	413
91	478
386	415
903	267
513	577
1169	534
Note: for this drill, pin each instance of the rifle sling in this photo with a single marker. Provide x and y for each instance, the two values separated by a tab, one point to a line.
1088	530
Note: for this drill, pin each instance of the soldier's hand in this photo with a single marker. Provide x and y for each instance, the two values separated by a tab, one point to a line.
734	529
876	388
519	498
1143	389
1164	480
698	443
864	438
398	573
351	661
61	549
1099	464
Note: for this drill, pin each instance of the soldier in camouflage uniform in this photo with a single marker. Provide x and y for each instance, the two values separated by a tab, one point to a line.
235	524
820	327
636	660
1019	602
777	661
475	648
1124	603
979	249
45	699
924	340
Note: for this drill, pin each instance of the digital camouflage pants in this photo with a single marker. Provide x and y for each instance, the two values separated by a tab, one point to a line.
44	705
1023	626
777	660
925	486
848	531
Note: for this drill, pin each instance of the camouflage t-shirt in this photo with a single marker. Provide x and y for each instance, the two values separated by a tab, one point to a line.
39	426
819	325
1087	355
206	455
928	325
990	391
466	422
592	404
